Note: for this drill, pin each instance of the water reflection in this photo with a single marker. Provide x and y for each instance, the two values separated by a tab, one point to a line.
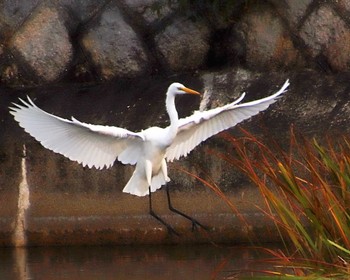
141	262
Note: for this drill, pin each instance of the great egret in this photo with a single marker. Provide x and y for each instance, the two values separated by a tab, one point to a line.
99	146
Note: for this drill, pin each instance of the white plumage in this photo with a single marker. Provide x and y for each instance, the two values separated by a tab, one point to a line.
99	146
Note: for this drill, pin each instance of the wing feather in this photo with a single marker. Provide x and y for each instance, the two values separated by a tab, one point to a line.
201	125
92	145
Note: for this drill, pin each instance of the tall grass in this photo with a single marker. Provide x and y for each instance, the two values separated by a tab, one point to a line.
307	193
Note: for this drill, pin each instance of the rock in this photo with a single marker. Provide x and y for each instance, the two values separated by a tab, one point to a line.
338	53
291	10
322	29
268	43
327	36
43	44
81	10
114	47
183	44
126	38
151	11
15	12
222	87
343	8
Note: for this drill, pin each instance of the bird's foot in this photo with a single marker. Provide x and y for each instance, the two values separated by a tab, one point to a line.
196	225
170	229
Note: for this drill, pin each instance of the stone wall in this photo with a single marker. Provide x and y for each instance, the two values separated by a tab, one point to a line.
89	41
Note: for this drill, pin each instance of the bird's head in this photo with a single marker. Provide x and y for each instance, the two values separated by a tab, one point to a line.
177	88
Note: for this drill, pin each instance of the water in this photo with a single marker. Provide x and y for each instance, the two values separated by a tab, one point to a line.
125	262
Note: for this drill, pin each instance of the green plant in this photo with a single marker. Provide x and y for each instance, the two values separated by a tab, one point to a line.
307	193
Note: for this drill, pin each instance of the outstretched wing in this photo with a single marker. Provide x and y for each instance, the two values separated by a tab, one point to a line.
92	145
201	125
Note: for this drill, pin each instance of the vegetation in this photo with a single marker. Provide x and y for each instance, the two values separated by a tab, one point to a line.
307	193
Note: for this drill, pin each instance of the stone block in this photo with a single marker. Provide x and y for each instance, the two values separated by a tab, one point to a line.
81	10
338	52
113	46
183	44
267	42
343	8
292	11
321	29
43	45
14	13
151	11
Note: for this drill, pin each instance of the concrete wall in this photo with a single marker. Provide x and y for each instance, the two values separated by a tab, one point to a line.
47	199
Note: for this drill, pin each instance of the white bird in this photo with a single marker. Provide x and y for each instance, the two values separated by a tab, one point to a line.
99	146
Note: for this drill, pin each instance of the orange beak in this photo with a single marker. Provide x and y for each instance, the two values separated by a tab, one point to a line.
189	91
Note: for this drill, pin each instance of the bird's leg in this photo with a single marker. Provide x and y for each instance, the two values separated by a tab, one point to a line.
148	171
171	230
165	170
195	223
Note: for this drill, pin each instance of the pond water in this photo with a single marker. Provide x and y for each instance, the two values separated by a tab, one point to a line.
126	262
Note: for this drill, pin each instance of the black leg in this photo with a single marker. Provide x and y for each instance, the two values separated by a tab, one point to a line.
171	230
195	223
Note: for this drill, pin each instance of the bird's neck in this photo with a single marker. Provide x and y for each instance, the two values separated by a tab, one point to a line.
173	116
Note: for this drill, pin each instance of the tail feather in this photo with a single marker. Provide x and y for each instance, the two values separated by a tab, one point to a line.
137	185
157	181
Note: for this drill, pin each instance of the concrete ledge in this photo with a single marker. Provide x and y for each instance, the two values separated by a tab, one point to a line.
70	204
